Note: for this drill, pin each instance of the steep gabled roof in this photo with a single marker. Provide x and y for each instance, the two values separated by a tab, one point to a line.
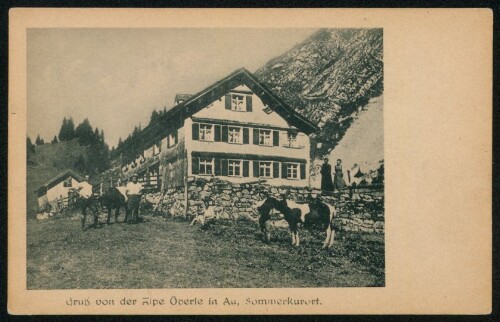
60	177
198	101
242	77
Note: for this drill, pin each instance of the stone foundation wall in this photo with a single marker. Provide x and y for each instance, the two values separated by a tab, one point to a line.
359	212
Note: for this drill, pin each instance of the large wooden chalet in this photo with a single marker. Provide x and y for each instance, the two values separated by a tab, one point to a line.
236	129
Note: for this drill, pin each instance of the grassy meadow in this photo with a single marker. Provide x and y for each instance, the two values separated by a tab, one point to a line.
168	253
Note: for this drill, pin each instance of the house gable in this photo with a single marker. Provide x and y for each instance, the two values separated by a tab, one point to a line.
270	111
241	104
58	179
209	95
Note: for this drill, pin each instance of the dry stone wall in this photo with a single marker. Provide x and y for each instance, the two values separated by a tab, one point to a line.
357	212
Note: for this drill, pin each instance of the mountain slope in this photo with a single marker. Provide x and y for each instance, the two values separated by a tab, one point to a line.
328	77
362	145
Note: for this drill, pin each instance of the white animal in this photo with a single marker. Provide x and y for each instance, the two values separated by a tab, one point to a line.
209	213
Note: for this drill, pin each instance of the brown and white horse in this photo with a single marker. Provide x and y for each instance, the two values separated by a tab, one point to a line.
313	213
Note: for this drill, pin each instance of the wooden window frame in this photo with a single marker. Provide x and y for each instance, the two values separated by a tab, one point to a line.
265	166
270	137
67	183
205	126
243	102
292	140
290	172
205	162
233	167
240	134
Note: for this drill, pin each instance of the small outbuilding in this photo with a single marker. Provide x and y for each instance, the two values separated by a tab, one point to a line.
58	186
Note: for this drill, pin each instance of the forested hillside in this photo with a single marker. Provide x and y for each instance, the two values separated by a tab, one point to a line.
82	149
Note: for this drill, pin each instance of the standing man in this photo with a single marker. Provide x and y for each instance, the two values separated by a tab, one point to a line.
326	177
60	204
133	192
87	200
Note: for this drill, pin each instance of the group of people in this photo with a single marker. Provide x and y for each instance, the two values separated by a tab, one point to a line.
132	193
327	184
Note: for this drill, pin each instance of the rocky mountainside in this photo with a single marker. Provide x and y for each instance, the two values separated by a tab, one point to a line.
361	149
328	78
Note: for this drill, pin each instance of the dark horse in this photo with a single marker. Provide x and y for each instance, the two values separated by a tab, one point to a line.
310	214
114	199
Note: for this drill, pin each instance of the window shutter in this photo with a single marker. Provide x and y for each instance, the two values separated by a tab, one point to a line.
249	103
196	131
217	133
246	135
302	170
224	133
256	168
217	166
284	168
228	101
223	166
195	165
246	168
276	138
276	169
256	136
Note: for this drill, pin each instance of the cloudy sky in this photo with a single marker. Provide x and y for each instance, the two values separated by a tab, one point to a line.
117	77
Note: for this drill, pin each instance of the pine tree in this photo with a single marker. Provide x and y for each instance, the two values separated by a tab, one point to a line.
54	140
154	117
39	140
96	135
63	133
30	147
70	131
136	131
120	143
84	132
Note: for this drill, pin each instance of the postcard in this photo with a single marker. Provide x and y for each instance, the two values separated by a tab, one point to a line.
250	161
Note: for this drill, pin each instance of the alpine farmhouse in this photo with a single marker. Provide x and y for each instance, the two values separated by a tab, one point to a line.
59	187
235	129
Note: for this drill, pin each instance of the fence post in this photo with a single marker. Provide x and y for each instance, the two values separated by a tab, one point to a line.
185	185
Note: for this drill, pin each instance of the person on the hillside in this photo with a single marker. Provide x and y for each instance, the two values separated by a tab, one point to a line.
133	192
326	177
338	181
87	200
60	204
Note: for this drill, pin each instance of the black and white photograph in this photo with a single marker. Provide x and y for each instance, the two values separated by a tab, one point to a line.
249	161
205	158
